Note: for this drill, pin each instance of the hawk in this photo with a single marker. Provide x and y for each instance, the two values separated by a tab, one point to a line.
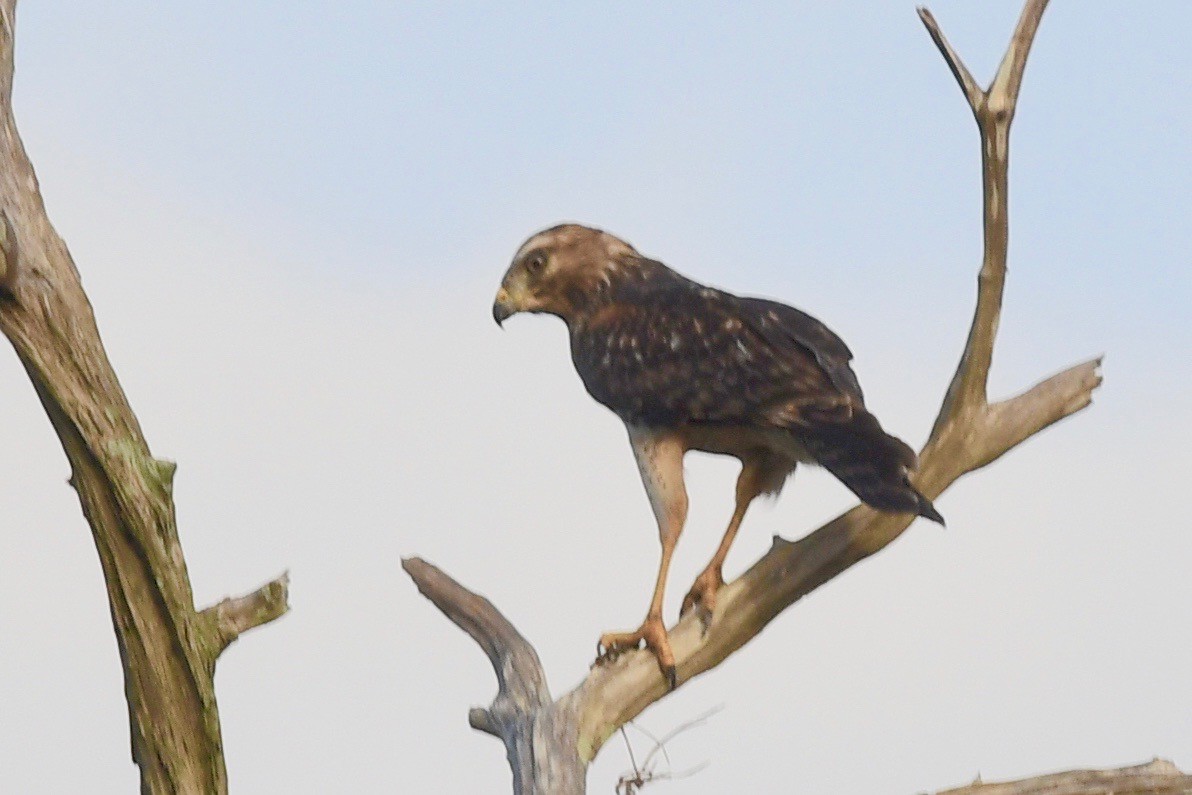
690	367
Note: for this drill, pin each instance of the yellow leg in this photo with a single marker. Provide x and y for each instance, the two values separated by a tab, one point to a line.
652	630
751	483
660	460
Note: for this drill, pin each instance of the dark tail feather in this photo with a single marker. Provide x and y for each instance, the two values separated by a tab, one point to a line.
872	463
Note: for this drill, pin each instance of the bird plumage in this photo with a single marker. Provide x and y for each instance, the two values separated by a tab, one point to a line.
694	367
662	350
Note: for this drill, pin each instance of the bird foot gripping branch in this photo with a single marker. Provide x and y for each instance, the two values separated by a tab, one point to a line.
702	595
653	633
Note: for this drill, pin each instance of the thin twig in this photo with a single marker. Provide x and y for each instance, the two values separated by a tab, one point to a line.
963	76
628	784
653	738
637	773
699	720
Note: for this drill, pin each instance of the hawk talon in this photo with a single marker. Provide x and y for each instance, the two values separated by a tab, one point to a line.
653	633
606	653
703	595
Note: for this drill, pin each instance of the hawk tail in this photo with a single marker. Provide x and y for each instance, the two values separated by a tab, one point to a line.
873	464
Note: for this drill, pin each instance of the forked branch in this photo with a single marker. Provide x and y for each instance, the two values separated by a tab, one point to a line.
993	108
968	434
521	715
522	687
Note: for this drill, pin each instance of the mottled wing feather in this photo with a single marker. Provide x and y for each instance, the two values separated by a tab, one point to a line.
685	353
669	351
784	326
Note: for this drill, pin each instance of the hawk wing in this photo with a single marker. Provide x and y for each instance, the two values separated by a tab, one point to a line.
675	353
680	352
784	327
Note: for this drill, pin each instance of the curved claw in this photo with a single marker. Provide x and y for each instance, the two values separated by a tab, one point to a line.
703	594
609	648
653	632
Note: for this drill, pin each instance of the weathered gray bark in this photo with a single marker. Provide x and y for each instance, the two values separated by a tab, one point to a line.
550	742
167	647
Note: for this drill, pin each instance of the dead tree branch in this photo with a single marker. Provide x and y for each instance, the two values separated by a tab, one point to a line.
968	434
1158	777
522	714
234	616
167	647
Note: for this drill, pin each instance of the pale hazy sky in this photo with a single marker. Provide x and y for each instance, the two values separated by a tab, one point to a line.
291	218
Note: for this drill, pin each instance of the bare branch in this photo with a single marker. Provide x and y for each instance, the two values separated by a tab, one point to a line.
1003	92
522	714
1159	777
1015	420
972	91
660	743
630	783
994	111
1008	80
232	617
520	677
481	720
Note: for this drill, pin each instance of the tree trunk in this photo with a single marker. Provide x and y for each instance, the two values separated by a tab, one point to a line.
168	648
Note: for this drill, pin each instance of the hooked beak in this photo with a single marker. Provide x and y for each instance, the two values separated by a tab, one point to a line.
503	307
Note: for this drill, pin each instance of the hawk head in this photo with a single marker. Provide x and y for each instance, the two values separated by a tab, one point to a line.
563	271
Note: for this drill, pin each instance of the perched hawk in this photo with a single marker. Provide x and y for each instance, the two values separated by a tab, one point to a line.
689	367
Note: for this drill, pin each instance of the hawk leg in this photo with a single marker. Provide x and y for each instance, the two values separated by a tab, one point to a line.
758	475
660	459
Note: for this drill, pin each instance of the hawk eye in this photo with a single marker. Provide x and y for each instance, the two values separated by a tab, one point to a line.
535	263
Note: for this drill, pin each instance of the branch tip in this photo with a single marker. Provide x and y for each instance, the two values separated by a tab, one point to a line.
1008	81
234	616
520	677
968	85
481	720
